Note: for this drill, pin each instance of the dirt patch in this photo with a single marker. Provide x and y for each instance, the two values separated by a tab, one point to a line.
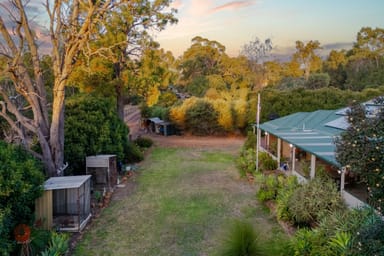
132	118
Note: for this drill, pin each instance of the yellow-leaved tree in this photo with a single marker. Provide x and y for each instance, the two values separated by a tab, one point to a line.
177	113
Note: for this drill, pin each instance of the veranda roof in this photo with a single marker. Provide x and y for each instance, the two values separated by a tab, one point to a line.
313	132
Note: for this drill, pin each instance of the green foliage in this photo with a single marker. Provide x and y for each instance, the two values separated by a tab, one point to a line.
266	162
315	199
302	242
201	119
167	99
340	242
58	245
250	141
339	233
92	127
134	154
246	162
317	81
39	240
154	111
277	103
268	188
144	142
275	186
198	86
21	177
284	195
369	239
242	241
360	149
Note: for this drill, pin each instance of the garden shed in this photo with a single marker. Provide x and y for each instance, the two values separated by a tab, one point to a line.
103	169
161	127
65	204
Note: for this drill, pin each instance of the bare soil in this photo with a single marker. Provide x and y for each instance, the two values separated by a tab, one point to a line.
132	118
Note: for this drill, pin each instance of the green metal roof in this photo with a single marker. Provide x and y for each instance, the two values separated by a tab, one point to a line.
313	132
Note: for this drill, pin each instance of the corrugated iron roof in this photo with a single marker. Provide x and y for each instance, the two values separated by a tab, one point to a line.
308	131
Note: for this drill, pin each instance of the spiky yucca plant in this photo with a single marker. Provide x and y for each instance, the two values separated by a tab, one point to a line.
242	241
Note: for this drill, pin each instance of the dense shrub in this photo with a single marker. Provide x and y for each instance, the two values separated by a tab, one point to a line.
315	199
269	186
58	245
201	119
341	232
144	142
369	239
21	177
266	162
246	162
224	113
284	194
133	153
250	141
317	81
177	113
154	111
92	127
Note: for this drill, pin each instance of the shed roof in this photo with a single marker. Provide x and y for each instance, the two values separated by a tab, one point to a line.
64	182
310	131
156	120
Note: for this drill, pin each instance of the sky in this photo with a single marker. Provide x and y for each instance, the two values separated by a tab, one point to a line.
334	23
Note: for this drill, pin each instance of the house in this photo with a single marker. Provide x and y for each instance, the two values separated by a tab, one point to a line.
305	141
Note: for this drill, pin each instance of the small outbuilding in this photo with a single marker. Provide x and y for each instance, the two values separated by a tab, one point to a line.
161	127
65	204
103	169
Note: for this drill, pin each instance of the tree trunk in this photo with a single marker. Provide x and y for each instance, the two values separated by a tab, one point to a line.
119	100
117	66
56	141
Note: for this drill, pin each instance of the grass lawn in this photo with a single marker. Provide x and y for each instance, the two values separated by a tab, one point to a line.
184	201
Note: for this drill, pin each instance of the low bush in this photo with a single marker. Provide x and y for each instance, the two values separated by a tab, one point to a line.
342	232
315	199
133	153
266	162
144	142
202	119
58	245
268	188
246	162
250	141
283	196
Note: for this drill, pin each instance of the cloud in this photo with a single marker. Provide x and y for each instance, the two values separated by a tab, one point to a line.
232	5
177	4
338	46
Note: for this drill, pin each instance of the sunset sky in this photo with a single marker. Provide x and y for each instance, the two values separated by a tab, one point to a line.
334	23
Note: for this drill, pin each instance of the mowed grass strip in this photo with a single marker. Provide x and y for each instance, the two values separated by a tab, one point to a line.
184	200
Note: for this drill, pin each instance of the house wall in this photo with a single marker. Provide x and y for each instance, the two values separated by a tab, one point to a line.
285	150
43	209
273	143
